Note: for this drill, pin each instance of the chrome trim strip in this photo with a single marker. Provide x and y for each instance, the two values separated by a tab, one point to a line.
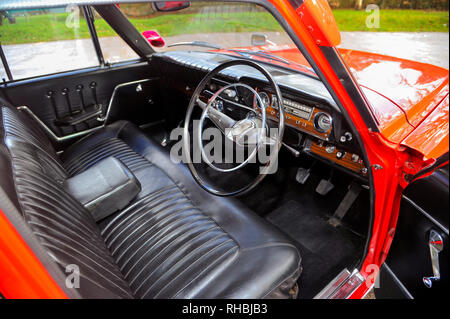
342	286
58	139
32	4
108	110
349	286
333	285
81	71
50	133
420	209
397	281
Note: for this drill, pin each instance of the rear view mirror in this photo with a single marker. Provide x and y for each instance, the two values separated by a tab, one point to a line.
166	6
259	39
154	38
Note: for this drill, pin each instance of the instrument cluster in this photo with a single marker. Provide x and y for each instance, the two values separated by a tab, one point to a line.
318	124
306	118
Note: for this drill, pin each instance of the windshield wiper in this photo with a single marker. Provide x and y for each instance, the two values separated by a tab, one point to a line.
196	44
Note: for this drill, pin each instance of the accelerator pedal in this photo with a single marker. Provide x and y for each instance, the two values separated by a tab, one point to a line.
352	194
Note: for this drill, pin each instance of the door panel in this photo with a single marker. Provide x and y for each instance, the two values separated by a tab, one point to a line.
136	101
58	100
424	208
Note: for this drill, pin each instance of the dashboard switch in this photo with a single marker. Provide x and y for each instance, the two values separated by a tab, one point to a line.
340	154
330	149
347	137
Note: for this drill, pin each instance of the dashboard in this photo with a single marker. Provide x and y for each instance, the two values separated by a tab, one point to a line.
312	121
314	124
306	118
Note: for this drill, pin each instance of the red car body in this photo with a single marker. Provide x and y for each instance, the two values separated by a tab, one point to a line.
408	99
411	91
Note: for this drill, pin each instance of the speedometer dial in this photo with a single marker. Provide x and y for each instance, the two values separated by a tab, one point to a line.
322	122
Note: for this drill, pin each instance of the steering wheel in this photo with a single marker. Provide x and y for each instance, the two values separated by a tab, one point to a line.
251	130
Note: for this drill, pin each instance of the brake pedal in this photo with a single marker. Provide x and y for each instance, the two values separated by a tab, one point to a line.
302	175
324	187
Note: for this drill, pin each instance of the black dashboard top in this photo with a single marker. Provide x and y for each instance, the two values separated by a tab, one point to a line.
305	85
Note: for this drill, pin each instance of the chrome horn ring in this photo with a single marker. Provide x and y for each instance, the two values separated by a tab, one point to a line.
230	135
186	136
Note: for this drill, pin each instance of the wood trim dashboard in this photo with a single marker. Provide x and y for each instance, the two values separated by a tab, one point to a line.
331	153
317	144
320	147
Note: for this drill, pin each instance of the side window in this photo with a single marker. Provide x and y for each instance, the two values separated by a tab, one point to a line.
2	72
45	41
114	49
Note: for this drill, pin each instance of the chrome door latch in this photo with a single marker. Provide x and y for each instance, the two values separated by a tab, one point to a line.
436	244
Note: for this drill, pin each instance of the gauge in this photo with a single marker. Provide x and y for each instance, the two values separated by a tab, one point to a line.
322	122
265	99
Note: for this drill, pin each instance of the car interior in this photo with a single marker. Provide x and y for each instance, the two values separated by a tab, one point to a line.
86	163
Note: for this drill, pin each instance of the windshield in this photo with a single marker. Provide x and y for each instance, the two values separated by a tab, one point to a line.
243	29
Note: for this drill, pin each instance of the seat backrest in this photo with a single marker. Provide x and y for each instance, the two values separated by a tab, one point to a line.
32	177
23	127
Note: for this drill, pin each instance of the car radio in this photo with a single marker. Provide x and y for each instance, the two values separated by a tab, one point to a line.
294	108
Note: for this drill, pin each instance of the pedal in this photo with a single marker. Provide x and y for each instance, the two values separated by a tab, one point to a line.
302	175
352	194
324	187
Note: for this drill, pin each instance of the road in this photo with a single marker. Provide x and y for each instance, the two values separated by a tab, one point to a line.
427	47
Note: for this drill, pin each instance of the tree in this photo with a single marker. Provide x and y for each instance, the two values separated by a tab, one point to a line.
358	5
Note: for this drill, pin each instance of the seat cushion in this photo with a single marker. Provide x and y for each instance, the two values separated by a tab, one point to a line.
176	240
31	180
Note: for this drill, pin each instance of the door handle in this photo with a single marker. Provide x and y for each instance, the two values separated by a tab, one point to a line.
436	244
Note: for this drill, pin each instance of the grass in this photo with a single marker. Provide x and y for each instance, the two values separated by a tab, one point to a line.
395	20
51	27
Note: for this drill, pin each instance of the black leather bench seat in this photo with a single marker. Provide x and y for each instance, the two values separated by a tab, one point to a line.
174	240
